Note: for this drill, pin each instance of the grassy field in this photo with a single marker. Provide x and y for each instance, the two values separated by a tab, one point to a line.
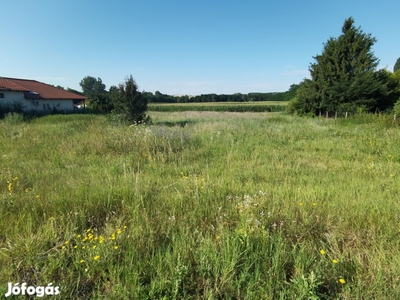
256	106
202	205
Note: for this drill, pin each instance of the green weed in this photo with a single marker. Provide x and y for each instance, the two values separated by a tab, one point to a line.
251	206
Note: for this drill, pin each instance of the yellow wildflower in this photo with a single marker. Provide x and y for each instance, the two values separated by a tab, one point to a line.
335	261
116	247
322	251
342	281
96	257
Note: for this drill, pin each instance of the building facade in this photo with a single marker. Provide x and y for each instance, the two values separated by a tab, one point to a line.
32	95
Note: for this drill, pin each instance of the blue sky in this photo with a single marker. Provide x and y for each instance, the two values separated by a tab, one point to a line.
183	46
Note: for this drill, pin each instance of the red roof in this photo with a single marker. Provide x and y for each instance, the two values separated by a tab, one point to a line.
36	90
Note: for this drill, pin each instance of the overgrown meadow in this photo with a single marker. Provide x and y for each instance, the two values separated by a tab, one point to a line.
202	206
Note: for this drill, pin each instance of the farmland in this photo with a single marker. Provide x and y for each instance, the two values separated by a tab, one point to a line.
202	205
257	106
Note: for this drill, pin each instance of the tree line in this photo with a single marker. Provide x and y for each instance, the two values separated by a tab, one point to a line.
103	100
158	97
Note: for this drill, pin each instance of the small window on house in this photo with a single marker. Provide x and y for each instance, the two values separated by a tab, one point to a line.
1	95
44	106
48	106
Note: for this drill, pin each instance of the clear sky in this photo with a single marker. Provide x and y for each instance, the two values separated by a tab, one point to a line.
183	46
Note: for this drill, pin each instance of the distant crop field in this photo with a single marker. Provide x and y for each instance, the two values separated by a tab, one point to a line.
262	106
262	103
201	205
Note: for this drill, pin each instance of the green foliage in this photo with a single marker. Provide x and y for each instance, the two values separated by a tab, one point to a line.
237	97
391	94
161	98
344	76
396	65
307	287
130	103
91	86
268	206
95	90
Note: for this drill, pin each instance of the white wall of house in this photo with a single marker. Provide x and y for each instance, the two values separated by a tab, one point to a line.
10	97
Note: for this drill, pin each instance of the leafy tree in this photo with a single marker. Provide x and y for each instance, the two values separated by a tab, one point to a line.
396	65
343	77
130	103
73	91
95	90
91	85
291	93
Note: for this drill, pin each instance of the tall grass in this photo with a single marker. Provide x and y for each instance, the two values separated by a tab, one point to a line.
273	207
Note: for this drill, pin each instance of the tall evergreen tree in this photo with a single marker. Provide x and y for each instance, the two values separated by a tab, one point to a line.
130	102
343	77
396	65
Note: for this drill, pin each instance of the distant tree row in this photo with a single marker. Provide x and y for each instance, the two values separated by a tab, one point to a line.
106	101
237	97
344	78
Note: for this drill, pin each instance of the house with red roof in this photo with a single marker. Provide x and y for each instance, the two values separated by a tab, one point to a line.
36	96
